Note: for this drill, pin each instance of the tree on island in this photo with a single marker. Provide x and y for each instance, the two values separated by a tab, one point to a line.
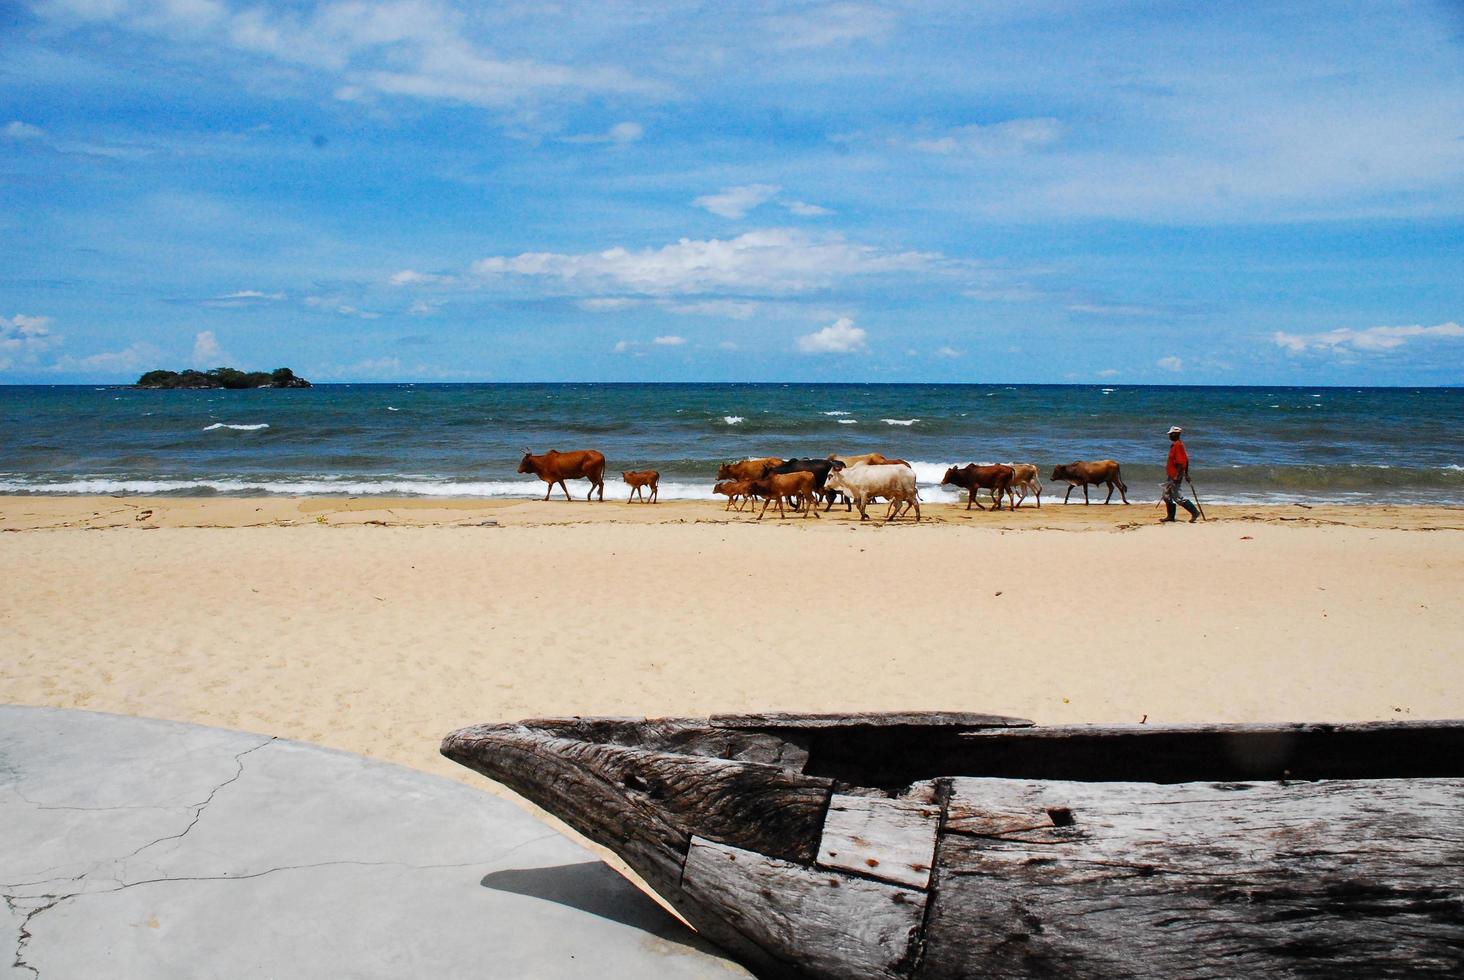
222	377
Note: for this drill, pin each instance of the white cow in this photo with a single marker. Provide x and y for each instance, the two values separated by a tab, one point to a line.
1025	480
893	481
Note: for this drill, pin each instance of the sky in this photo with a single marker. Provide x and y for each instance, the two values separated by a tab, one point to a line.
418	190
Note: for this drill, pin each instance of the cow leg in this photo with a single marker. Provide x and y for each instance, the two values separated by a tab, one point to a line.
1069	493
1085	495
655	493
1110	494
548	490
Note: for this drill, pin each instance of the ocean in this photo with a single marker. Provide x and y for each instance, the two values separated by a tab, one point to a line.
1246	444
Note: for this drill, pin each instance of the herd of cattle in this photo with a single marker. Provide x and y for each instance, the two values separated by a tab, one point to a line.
857	481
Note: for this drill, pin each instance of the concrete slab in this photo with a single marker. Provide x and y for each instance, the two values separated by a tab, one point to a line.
139	848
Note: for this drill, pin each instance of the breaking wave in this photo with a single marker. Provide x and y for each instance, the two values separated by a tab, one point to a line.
236	427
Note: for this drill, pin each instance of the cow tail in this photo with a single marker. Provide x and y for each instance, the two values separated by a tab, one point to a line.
1118	473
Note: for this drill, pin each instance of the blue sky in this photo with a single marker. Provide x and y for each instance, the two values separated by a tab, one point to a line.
1011	192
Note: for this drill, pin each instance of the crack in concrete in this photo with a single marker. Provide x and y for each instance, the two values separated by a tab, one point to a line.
20	904
23	936
96	809
51	901
198	808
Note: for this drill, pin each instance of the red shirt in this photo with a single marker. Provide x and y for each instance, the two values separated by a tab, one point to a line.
1178	460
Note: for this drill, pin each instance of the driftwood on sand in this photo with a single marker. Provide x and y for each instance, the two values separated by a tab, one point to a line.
928	845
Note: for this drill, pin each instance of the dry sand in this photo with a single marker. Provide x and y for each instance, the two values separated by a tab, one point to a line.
377	626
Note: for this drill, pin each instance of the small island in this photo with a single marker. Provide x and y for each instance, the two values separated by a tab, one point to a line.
223	377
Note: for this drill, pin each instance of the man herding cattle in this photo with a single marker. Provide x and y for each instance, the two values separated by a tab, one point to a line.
1176	471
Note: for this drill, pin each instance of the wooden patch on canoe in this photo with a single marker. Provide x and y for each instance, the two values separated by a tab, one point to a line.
893	840
830	924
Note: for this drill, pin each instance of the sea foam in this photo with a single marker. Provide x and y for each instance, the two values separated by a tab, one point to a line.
238	428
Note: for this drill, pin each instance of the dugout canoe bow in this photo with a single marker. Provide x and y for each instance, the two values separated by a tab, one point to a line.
936	845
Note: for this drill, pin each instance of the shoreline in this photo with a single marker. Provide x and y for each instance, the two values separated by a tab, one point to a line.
36	512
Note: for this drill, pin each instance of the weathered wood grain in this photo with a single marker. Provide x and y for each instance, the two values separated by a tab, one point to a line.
1082	879
821	924
893	840
881	719
689	736
652	800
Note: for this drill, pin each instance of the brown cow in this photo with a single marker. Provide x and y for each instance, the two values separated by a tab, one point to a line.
997	479
738	491
639	480
799	486
1082	474
748	469
556	467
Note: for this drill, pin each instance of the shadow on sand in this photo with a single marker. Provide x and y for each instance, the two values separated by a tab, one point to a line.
594	887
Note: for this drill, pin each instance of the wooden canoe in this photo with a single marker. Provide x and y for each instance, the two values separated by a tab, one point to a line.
933	846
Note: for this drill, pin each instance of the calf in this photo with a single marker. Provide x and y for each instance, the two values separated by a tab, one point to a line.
639	480
736	490
862	483
798	486
1082	474
996	478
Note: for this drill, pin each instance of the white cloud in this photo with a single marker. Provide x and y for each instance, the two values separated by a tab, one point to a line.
1114	309
830	24
774	260
371	367
135	358
1370	340
423	307
253	294
413	48
17	130
1108	373
621	133
806	210
948	352
411	277
727	345
1170	363
621	346
670	340
1012	137
244	297
22	337
207	353
336	306
839	337
607	304
730	309
735	202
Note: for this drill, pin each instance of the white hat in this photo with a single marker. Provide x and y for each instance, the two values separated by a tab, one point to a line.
1174	430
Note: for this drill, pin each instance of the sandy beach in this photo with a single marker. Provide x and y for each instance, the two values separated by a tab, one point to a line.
377	626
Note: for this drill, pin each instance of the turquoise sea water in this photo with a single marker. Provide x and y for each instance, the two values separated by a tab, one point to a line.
1370	445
